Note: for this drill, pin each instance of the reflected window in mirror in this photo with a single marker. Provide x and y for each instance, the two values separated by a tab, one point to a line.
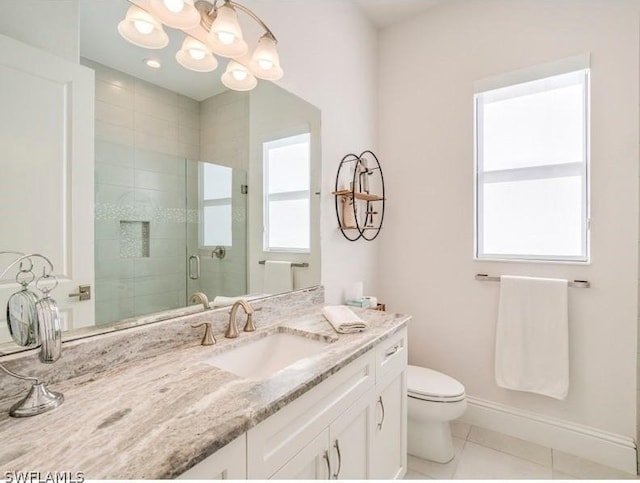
215	205
287	193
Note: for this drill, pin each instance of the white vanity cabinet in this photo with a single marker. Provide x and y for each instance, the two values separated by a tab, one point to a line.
278	439
341	451
310	463
389	454
350	439
351	426
228	463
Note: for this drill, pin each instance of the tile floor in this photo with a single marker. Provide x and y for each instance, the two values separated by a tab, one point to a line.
484	454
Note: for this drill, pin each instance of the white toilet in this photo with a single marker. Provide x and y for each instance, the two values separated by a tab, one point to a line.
434	399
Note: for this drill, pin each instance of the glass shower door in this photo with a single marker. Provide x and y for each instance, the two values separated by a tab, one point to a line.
216	229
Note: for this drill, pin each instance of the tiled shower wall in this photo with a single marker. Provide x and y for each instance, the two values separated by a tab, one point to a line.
143	135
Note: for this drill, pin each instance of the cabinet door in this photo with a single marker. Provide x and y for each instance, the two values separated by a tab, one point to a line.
389	455
311	463
46	201
228	463
273	442
350	440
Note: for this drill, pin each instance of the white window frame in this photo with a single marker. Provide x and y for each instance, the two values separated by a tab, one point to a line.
202	203
288	196
531	173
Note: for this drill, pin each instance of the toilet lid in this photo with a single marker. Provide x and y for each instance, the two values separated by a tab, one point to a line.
428	384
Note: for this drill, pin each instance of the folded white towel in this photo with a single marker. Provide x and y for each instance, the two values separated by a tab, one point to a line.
343	320
532	336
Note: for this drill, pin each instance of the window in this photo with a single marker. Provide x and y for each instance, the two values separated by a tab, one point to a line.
286	194
215	205
531	169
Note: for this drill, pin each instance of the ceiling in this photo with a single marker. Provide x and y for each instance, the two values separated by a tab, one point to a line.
101	42
384	13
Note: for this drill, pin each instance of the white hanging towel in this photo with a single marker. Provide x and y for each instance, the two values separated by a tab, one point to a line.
343	320
278	277
532	338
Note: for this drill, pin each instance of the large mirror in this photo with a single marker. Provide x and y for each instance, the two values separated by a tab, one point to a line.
196	186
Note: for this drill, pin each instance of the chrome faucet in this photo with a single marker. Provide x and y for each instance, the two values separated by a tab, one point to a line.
232	330
199	297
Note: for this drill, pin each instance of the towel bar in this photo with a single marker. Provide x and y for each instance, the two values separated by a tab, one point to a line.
297	265
483	277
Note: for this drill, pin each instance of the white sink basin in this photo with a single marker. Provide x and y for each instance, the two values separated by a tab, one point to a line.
266	356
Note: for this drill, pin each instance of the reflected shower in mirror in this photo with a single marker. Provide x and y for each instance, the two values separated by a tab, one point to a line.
182	193
168	226
157	230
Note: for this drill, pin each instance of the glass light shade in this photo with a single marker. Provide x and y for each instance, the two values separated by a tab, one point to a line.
175	6
238	78
142	29
179	14
194	55
265	62
225	36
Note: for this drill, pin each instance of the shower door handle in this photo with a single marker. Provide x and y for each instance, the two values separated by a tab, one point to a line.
194	268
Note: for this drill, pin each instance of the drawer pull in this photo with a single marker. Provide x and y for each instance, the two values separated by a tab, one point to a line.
382	407
393	350
326	457
337	473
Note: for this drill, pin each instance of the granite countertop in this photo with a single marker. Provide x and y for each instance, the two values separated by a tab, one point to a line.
158	417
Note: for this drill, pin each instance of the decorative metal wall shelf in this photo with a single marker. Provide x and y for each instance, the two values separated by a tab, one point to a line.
360	196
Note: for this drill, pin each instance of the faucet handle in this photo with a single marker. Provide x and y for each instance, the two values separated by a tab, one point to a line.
207	338
250	326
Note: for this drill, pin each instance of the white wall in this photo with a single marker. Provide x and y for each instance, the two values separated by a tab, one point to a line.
224	129
427	69
224	140
47	25
328	51
276	113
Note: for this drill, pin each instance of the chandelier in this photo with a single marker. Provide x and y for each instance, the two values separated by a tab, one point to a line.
144	26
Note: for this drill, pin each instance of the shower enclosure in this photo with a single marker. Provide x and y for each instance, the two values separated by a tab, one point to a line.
165	227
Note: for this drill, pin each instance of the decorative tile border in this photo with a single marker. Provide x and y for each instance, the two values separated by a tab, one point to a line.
144	212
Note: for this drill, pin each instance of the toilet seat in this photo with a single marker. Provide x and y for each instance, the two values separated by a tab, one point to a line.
429	385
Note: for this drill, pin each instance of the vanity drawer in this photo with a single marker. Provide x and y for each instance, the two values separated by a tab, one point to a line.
391	356
276	439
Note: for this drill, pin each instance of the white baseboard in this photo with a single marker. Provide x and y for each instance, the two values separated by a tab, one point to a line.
593	444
